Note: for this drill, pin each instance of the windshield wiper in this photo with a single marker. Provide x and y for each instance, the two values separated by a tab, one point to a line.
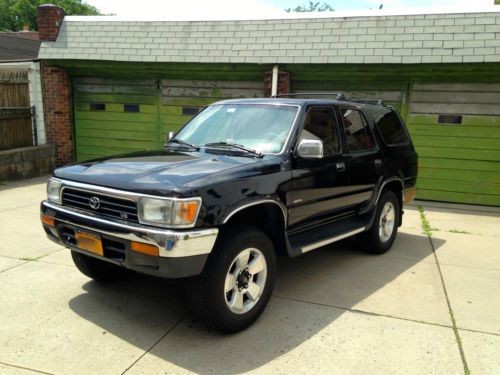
181	142
235	145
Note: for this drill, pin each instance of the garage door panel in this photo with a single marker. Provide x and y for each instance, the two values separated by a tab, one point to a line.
466	120
116	125
456	142
255	85
116	134
115	98
175	120
453	97
458	175
457	153
450	196
179	110
459	164
83	106
456	131
119	117
457	87
478	187
189	101
97	152
129	144
458	108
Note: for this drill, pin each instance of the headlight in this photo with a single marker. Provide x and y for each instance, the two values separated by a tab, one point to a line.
166	212
54	191
155	211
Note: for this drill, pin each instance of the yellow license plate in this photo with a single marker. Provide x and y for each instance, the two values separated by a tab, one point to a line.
90	242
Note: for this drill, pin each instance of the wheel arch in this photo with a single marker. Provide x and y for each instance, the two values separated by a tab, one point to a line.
268	215
396	185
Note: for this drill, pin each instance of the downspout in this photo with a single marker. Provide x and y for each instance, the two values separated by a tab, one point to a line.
274	82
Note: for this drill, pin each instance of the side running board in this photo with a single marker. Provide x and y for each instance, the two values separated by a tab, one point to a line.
315	238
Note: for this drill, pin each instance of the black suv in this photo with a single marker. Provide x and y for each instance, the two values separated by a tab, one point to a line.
241	182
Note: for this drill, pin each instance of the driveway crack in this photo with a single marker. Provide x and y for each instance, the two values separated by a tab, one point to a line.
426	227
156	342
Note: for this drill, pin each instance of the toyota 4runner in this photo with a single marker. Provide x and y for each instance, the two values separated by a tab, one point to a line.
242	181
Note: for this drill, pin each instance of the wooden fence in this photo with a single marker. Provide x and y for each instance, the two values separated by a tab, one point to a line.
16	127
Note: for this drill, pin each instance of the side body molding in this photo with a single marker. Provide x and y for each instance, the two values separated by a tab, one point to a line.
255	203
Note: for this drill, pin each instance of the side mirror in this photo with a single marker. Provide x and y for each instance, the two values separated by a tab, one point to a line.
310	149
170	135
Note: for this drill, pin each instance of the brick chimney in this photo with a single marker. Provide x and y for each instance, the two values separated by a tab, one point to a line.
49	20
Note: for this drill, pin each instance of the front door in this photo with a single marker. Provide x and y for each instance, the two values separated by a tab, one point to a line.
318	185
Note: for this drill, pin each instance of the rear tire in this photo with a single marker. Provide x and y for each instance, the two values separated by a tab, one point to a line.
98	270
237	281
380	237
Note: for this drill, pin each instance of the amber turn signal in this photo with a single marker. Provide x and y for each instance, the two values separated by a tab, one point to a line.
144	248
47	220
185	212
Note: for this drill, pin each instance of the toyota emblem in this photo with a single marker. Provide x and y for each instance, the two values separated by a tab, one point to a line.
95	203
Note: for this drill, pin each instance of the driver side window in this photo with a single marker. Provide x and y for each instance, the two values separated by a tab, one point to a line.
321	124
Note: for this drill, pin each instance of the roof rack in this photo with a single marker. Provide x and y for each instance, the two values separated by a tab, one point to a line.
338	95
369	101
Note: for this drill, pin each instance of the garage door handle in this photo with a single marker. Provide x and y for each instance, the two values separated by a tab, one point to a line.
340	167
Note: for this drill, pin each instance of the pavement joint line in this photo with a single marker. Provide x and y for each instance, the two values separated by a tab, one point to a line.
15	266
55	264
362	312
480	332
15	208
410	259
426	227
26	368
157	342
471	267
29	259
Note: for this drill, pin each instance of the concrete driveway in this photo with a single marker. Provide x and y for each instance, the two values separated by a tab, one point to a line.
429	306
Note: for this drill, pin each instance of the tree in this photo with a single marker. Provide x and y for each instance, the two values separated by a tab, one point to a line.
14	14
312	7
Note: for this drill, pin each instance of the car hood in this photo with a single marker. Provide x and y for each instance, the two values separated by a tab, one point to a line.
155	172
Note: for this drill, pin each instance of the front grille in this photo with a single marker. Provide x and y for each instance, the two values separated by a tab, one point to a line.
118	208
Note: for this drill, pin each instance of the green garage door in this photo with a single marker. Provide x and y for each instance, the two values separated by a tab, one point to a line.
116	116
456	131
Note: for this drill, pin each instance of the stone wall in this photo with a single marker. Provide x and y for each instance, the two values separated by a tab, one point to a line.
26	162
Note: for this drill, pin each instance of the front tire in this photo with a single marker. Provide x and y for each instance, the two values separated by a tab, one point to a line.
380	237
98	270
237	282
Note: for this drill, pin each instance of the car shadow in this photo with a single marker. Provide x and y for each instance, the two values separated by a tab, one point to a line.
340	276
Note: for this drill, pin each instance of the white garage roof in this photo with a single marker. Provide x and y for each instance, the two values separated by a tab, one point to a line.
332	38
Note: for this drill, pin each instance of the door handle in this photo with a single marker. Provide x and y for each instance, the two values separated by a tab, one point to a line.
340	167
378	162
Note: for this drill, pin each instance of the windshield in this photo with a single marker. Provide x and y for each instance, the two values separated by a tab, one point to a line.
260	127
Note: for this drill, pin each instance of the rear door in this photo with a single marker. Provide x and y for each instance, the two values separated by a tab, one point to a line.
364	166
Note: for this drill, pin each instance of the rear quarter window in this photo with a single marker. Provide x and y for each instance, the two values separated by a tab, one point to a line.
391	128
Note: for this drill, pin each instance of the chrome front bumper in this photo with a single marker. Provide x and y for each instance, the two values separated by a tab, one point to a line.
171	243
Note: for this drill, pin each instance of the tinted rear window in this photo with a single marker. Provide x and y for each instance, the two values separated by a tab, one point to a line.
391	128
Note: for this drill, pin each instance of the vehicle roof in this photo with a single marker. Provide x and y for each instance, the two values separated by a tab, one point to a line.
297	102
